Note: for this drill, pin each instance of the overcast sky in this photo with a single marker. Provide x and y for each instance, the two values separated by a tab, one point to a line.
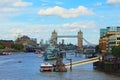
38	18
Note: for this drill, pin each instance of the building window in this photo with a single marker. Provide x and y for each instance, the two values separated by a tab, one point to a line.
112	42
118	42
112	38
118	38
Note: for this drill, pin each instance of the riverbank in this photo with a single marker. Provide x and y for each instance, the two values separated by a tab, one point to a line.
11	50
108	67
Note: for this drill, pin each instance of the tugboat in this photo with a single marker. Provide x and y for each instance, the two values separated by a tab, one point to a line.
46	67
59	66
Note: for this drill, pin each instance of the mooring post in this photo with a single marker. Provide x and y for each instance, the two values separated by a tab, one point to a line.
70	63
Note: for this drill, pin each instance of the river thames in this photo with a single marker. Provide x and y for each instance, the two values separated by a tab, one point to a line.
28	69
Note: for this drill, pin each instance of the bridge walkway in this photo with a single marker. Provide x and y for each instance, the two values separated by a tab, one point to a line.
82	62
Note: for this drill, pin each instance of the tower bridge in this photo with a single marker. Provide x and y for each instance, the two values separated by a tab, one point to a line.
79	37
80	40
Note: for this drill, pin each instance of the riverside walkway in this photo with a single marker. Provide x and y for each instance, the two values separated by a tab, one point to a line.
82	62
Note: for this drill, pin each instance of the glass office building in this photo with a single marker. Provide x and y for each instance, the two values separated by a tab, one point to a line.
102	32
116	29
112	36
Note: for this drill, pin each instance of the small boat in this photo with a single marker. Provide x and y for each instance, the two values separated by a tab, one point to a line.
46	67
37	51
40	55
4	53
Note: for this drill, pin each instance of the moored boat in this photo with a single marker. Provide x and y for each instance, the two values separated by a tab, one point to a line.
46	67
49	53
49	56
4	53
37	51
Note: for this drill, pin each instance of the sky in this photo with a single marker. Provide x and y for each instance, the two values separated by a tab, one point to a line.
39	18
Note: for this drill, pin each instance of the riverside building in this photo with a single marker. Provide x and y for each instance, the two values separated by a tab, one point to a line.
109	37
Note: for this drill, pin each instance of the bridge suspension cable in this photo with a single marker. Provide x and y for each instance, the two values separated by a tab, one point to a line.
88	43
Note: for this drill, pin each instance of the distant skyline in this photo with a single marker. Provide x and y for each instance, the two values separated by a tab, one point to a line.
39	18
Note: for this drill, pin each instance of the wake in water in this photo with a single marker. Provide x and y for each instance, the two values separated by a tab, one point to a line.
6	61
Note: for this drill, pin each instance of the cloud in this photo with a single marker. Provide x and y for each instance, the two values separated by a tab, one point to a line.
13	8
66	13
119	22
44	0
102	16
73	27
2	17
36	29
12	33
76	26
113	2
14	3
16	30
20	28
98	4
84	25
44	4
59	3
22	4
9	10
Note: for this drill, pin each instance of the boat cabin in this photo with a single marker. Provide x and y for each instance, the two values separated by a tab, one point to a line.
46	67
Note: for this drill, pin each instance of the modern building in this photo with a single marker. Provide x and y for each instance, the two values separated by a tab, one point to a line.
109	38
102	32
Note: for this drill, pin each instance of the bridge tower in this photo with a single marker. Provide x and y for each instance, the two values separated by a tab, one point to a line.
80	39
54	37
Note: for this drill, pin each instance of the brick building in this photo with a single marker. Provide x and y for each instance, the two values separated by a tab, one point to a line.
26	41
7	43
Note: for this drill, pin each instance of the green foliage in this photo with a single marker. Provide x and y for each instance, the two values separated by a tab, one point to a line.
2	46
97	48
17	46
116	51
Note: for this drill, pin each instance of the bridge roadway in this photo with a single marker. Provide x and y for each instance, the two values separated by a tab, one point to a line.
66	36
82	62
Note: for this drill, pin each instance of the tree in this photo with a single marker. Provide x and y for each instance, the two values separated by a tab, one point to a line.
17	46
97	48
2	46
116	51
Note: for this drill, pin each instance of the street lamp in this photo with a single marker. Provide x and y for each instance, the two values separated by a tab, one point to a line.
70	60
